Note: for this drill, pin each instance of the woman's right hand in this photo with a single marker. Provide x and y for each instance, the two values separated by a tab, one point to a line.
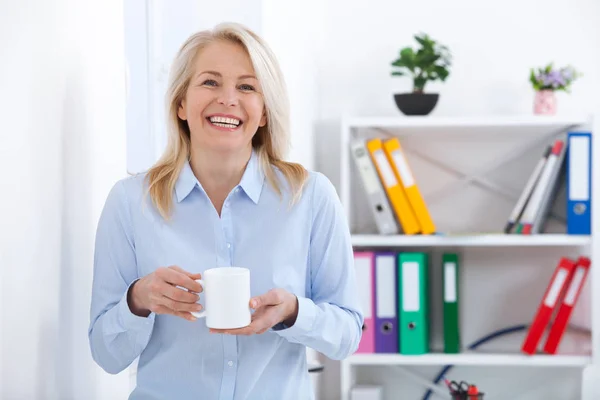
158	292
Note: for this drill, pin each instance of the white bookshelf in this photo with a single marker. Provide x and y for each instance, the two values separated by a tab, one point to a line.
483	240
483	124
470	359
475	128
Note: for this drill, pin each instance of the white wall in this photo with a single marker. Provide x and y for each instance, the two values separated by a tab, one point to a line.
494	44
291	30
62	147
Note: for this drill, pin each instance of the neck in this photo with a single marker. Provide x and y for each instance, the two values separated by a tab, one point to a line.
219	173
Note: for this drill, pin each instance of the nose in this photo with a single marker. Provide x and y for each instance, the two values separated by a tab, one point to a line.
228	96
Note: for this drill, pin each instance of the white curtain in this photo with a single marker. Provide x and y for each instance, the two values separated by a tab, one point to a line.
62	146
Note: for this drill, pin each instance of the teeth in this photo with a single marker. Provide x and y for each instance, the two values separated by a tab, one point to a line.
222	120
224	125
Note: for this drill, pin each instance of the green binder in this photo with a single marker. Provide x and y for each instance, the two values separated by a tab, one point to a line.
451	320
413	303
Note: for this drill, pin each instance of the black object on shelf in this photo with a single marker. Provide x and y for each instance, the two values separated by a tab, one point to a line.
315	367
463	391
416	103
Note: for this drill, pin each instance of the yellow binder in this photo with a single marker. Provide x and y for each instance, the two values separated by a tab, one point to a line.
403	173
393	188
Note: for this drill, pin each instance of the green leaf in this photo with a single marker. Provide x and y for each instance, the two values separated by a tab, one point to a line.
425	60
429	62
536	85
398	73
419	83
442	72
407	58
424	41
407	53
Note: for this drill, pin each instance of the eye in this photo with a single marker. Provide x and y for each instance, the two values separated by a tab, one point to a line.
247	87
209	82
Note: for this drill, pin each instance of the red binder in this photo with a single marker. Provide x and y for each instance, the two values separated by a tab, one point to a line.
564	312
555	290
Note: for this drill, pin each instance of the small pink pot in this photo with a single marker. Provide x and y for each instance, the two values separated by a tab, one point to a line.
544	102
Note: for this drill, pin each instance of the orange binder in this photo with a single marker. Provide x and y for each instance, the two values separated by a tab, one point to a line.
397	159
393	188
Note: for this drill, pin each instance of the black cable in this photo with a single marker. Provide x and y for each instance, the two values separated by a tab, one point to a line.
473	346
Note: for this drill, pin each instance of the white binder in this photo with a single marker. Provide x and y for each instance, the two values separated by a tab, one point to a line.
378	201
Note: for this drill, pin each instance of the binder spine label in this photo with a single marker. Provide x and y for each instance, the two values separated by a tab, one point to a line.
450	282
410	286
403	169
579	169
389	179
386	287
556	287
364	279
369	174
574	287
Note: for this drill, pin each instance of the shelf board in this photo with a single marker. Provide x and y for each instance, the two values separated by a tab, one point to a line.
471	359
482	240
492	121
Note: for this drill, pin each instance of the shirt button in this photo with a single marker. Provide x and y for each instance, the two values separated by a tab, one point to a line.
228	245
230	363
237	189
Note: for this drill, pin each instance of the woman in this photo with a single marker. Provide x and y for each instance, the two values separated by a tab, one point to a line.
222	195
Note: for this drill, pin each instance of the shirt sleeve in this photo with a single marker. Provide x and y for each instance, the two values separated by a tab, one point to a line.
331	321
116	335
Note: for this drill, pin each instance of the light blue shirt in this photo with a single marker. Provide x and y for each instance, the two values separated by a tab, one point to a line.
305	249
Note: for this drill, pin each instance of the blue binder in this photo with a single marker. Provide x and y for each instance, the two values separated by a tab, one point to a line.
579	183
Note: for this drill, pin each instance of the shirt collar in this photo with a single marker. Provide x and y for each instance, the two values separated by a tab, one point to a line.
251	182
186	182
253	178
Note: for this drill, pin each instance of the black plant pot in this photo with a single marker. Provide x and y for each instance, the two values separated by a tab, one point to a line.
416	103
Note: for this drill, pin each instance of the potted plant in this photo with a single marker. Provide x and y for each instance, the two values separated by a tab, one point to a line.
546	81
429	62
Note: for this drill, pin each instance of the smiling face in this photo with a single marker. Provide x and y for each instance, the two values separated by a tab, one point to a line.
223	105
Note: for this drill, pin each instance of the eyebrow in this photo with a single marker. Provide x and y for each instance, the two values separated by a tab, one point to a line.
215	73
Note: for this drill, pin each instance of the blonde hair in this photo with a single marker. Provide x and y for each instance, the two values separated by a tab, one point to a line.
271	141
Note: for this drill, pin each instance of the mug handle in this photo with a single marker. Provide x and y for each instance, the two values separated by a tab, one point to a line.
200	314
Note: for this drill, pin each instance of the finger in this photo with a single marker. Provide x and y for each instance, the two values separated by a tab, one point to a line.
178	294
180	314
179	306
266	320
271	298
259	314
191	275
177	278
261	322
248	330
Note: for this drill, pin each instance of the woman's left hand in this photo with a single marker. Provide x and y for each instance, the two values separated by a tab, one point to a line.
271	308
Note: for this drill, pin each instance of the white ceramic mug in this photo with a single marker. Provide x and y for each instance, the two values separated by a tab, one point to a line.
226	297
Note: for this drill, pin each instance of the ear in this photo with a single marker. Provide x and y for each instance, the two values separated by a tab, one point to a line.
263	119
181	111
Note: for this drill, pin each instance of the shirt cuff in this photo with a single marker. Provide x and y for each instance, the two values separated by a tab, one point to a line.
128	320
307	313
